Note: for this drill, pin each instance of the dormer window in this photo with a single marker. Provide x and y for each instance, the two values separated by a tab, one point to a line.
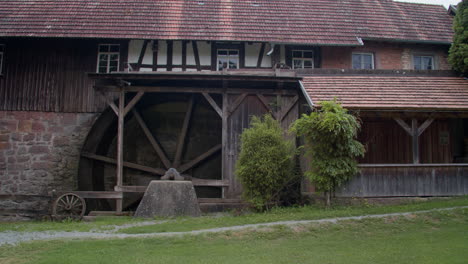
227	59
423	62
2	52
363	61
108	58
302	59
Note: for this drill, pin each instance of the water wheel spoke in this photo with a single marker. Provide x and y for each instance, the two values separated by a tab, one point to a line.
183	133
200	158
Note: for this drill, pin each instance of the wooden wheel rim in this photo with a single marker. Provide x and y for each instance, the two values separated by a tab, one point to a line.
69	205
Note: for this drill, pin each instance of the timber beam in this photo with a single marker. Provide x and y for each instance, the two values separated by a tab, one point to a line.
415	132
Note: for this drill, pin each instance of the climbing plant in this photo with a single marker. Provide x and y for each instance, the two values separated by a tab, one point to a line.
330	142
265	165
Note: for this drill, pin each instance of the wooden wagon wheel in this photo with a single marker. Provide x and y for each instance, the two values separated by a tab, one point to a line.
69	205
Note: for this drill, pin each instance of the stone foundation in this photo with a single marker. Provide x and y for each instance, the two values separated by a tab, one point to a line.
39	152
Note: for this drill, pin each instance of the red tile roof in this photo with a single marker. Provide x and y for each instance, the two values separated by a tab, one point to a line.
321	22
390	92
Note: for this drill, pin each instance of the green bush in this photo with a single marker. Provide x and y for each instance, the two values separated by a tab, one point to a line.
330	136
265	165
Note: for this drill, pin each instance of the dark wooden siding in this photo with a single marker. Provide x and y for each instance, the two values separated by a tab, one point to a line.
410	180
387	143
237	122
49	75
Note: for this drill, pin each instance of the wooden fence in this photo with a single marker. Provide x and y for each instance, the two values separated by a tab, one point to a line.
396	180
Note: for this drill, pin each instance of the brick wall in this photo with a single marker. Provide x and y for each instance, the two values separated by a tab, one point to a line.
39	152
387	56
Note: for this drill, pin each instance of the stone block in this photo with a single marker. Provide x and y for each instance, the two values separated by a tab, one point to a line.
168	199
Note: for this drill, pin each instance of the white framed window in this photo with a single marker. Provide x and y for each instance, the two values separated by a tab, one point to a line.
227	59
363	61
423	62
302	59
2	55
108	58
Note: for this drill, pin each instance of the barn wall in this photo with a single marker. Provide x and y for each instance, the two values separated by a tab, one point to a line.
39	152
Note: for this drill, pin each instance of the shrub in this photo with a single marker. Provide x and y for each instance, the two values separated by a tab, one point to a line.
265	164
458	53
330	135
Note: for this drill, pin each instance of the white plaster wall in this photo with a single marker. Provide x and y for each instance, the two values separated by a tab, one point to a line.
251	55
134	48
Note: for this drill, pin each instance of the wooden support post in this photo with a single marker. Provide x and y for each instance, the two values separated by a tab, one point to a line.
196	55
184	55
213	104
414	130
155	55
260	55
169	55
120	136
224	135
142	55
237	102
133	102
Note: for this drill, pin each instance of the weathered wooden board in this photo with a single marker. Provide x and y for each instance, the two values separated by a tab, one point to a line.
395	181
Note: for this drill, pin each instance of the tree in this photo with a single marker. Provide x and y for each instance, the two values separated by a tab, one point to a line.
458	53
330	141
265	163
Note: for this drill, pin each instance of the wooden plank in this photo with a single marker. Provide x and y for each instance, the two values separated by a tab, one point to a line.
260	55
224	136
219	200
110	103
404	125
142	55
183	134
154	66
196	55
200	158
95	194
237	102
213	104
127	164
267	105
424	126
120	135
184	55
285	111
132	189
170	54
209	182
179	89
414	128
133	102
151	139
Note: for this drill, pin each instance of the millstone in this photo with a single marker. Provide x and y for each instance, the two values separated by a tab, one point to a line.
169	198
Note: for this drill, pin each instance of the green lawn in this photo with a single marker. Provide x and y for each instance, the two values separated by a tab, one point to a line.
278	214
437	237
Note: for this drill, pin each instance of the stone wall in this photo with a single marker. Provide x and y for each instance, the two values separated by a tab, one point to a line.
39	152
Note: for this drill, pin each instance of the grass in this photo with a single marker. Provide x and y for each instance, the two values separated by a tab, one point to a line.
277	214
297	213
437	237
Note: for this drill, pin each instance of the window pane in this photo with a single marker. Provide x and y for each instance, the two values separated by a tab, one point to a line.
114	57
102	69
297	54
113	69
308	54
222	52
427	63
356	61
102	57
114	48
307	64
367	61
417	62
103	48
113	64
297	64
222	63
233	52
232	64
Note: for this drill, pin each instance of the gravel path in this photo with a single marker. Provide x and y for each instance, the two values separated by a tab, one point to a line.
14	237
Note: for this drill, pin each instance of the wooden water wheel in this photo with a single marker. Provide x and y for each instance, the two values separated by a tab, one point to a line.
162	131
